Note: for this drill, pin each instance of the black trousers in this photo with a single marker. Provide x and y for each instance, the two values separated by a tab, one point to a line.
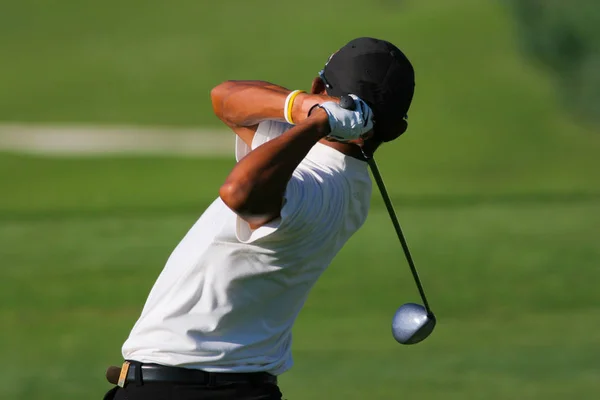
174	391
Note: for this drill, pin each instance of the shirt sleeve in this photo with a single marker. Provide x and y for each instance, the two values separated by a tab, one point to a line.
266	131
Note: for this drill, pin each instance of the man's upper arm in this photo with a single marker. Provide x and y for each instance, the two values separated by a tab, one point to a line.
245	133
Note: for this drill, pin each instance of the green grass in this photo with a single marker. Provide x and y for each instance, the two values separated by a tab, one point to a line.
496	189
514	287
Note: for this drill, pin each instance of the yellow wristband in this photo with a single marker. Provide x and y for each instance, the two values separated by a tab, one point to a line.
289	105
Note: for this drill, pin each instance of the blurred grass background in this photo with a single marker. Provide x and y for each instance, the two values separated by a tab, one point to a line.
496	185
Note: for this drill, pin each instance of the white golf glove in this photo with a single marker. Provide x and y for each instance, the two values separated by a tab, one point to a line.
348	124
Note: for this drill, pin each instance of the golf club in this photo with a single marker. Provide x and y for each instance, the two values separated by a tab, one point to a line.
412	322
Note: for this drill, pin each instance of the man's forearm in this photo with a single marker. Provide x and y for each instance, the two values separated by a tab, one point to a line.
247	103
255	187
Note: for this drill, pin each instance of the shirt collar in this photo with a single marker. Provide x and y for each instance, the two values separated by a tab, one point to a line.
324	154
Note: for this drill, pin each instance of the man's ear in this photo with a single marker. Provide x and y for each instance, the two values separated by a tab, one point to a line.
318	86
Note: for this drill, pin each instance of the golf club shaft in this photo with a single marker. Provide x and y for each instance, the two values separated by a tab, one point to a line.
390	208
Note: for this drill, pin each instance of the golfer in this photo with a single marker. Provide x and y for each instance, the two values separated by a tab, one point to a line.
217	323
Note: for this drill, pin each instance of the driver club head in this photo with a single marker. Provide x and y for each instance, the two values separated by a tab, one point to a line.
412	324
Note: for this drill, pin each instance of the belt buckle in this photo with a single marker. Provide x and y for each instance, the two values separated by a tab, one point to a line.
123	374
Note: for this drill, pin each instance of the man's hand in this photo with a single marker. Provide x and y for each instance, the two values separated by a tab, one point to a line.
347	124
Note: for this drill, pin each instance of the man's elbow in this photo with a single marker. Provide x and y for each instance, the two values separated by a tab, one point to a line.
219	91
218	95
257	212
234	196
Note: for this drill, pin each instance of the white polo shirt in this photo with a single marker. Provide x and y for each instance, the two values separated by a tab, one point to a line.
228	296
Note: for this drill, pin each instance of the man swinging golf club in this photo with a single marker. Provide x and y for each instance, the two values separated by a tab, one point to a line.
217	323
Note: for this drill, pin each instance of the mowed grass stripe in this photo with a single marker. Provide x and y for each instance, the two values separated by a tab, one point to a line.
93	140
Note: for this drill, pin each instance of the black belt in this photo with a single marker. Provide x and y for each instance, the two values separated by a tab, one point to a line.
142	373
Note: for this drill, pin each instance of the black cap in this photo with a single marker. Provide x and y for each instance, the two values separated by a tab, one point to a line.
377	72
